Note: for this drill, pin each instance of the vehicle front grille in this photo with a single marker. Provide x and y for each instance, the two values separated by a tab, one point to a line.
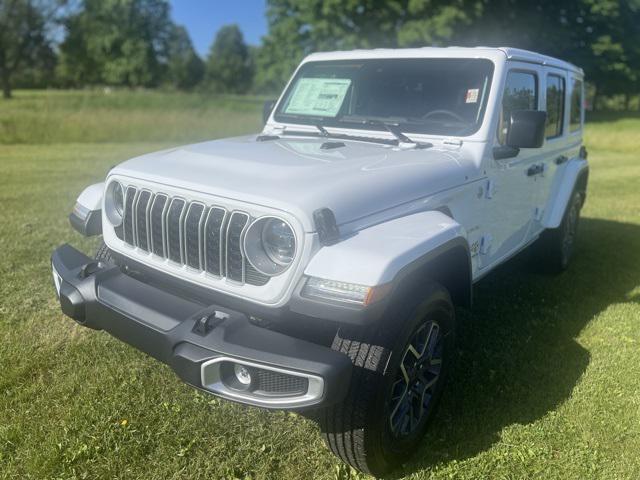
206	238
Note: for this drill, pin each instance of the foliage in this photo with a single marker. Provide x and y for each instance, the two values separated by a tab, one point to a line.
229	66
185	68
299	27
116	42
26	51
602	36
134	42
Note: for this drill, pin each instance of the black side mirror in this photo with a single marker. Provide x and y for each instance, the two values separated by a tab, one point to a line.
526	129
267	108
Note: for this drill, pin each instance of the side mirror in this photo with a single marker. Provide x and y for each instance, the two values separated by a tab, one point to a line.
267	108
526	129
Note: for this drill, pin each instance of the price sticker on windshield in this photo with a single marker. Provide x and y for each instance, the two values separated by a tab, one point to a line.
472	95
318	96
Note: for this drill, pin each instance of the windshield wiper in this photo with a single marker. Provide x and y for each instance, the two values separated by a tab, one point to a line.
394	129
323	131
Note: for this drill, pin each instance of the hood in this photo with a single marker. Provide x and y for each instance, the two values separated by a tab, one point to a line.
295	174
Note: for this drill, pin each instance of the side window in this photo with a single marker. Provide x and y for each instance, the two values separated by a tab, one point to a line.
555	106
575	116
520	93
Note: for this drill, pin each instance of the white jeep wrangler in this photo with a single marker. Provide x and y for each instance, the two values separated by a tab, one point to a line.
316	265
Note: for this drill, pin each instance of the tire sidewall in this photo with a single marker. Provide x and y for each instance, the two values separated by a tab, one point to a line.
565	257
432	303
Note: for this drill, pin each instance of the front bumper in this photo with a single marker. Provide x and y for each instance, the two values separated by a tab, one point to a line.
196	339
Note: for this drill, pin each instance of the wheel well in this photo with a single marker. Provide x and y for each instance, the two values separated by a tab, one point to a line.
581	185
451	269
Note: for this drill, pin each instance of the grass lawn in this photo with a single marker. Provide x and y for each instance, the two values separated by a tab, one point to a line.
547	380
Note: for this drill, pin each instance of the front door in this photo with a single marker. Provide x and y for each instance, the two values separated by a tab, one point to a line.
512	186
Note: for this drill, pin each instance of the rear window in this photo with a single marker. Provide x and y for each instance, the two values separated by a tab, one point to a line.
555	106
575	117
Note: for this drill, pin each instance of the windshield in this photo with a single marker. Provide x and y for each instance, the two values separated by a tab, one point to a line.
419	95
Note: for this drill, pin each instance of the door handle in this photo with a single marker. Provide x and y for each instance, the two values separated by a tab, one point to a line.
561	159
535	170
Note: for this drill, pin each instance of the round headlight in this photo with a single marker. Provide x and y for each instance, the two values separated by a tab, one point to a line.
270	245
114	203
278	241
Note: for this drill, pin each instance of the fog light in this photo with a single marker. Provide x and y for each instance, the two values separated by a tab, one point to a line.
242	374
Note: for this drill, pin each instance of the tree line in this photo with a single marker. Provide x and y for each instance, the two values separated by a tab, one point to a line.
134	43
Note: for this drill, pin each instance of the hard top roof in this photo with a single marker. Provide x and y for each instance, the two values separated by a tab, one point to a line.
492	53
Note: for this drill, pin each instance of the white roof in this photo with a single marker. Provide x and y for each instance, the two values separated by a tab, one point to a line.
491	53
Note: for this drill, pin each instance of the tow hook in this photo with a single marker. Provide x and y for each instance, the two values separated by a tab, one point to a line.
207	322
91	268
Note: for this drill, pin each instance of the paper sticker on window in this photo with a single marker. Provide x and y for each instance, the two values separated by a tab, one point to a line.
318	96
472	95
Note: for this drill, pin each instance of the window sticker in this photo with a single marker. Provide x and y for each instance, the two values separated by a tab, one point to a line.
318	96
472	95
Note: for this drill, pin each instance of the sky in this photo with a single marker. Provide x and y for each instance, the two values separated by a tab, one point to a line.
203	18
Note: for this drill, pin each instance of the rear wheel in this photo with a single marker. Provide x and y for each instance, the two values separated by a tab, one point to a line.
398	378
557	245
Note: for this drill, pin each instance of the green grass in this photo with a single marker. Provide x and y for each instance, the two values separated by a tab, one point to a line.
120	116
547	379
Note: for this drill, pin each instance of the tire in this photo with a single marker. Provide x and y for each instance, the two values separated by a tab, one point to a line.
368	429
557	245
104	255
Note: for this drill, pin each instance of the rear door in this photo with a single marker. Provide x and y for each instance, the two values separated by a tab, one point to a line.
562	100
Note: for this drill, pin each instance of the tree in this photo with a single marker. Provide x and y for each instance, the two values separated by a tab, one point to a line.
229	67
299	27
116	42
185	68
25	43
602	36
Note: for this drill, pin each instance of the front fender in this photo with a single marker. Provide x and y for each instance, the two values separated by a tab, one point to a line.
86	216
377	255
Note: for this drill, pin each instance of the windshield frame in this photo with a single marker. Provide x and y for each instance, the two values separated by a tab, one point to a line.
283	118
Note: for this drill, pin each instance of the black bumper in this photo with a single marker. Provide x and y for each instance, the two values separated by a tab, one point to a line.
170	328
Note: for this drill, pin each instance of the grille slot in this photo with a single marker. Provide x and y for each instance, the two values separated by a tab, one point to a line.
214	240
192	235
235	259
204	238
156	221
142	205
174	229
127	221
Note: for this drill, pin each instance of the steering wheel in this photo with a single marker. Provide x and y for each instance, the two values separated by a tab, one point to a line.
444	112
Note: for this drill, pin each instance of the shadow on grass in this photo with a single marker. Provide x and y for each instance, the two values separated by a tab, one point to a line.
518	358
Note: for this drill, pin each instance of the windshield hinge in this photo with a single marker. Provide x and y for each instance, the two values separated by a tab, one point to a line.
274	130
452	142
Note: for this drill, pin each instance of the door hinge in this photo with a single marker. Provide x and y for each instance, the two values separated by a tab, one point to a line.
490	191
485	244
537	213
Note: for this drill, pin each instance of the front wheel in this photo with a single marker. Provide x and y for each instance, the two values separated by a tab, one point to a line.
398	378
